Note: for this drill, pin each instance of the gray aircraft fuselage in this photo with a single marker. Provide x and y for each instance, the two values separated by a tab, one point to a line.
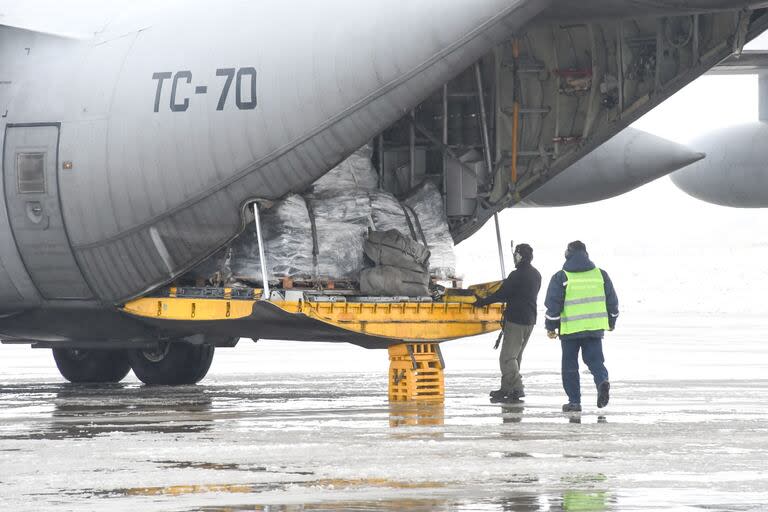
130	155
158	131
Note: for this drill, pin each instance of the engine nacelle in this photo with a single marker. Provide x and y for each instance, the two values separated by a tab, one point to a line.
735	172
629	160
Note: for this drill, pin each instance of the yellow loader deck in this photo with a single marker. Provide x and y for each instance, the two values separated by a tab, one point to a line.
351	319
410	328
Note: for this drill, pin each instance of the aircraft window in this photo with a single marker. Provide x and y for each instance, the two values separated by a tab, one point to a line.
31	173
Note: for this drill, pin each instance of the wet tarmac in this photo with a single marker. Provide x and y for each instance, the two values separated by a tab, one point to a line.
683	437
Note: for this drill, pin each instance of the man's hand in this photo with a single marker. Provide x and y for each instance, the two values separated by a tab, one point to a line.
552	335
479	302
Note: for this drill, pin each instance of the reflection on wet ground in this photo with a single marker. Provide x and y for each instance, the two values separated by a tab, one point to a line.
88	411
330	442
574	501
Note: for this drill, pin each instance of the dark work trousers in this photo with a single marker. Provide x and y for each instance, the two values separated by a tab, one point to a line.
515	339
592	353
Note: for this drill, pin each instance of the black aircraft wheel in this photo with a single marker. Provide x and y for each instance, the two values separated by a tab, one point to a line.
172	363
91	366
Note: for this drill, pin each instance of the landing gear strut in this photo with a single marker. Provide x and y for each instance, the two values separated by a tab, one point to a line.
91	366
172	363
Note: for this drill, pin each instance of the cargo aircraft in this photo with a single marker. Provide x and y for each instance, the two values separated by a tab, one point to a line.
734	173
136	136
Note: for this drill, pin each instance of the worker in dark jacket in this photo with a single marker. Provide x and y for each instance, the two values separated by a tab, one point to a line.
520	291
581	305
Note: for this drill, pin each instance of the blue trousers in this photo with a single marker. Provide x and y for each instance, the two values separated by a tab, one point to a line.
592	353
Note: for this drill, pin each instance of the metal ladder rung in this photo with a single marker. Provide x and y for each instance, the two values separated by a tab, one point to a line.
462	95
527	154
523	66
527	111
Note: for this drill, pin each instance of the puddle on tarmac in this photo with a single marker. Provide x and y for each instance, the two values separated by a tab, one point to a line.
209	466
526	455
88	411
414	505
586	478
566	501
212	466
254	488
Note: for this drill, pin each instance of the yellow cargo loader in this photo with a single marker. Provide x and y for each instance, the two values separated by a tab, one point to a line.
410	328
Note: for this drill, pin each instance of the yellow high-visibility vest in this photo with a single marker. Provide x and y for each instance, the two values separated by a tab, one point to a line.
585	308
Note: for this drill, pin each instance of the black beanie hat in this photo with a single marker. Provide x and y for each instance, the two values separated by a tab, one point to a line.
577	246
526	251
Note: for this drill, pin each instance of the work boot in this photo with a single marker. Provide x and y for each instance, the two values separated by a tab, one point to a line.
603	394
506	399
498	392
499	399
571	407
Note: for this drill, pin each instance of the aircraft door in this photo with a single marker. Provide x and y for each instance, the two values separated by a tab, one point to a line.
30	168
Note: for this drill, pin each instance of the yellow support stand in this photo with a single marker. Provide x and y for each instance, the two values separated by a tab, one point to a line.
416	373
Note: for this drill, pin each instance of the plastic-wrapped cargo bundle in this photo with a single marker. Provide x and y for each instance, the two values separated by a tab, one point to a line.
427	203
400	265
341	221
388	213
287	243
340	249
321	235
369	208
349	207
356	172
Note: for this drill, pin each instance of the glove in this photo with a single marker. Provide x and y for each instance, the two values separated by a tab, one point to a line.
479	302
552	335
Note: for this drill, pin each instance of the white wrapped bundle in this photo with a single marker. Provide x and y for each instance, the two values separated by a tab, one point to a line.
340	250
287	243
342	220
427	203
321	235
356	172
349	207
388	213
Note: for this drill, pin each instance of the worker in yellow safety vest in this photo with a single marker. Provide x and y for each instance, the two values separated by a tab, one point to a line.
581	305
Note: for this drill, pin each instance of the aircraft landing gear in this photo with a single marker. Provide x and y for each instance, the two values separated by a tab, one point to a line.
91	366
172	363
